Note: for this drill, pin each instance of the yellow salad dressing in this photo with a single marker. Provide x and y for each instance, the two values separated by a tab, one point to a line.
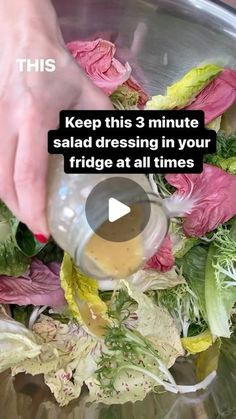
114	258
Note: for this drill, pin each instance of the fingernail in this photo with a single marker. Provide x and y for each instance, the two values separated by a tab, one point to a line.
41	238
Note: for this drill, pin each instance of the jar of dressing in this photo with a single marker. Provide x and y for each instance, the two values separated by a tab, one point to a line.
69	227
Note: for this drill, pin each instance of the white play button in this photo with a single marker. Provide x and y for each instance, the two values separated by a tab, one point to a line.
117	210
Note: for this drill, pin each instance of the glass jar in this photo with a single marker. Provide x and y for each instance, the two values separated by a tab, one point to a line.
67	195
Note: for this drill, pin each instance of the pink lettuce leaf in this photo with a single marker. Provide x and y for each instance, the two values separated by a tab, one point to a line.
217	97
97	58
213	196
163	260
40	287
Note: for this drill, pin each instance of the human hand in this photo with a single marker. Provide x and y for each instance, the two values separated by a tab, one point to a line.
30	106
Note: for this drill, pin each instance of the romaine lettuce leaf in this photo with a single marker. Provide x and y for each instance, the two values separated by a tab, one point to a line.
183	92
220	281
181	243
193	266
81	294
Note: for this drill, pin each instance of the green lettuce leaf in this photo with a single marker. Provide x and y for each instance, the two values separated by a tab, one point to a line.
220	281
208	360
183	92
51	252
21	313
181	243
184	307
12	261
17	244
193	266
25	240
185	245
161	186
5	213
226	145
225	156
229	165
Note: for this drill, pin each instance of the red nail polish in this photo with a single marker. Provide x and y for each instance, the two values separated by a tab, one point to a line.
41	238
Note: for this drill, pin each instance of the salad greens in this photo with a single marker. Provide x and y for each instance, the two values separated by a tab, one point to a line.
12	260
120	338
182	93
225	157
125	98
17	244
193	268
220	280
16	341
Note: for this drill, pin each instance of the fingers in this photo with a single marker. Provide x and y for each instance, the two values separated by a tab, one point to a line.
8	146
7	189
92	98
30	173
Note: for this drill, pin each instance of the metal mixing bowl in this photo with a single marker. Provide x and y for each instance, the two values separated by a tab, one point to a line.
177	34
168	37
